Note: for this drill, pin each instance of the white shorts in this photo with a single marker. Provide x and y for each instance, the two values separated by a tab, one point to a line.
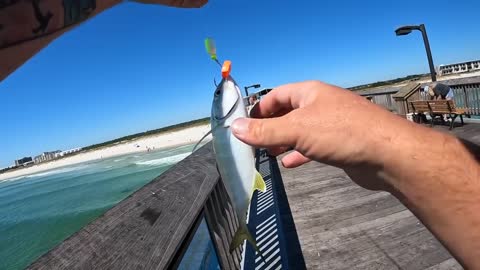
449	96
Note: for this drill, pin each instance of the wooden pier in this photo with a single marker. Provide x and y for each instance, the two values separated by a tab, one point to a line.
318	218
151	228
343	226
396	99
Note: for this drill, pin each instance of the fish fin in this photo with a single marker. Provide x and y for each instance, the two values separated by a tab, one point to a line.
241	235
259	183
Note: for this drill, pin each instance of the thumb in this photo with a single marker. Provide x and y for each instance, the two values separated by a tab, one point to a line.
267	132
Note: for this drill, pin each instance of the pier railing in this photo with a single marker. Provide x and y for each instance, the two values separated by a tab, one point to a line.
153	227
467	96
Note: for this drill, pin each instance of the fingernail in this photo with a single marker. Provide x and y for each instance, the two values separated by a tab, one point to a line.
240	126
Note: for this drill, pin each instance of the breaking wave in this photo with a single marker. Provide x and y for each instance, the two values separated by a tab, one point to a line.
57	171
164	161
46	173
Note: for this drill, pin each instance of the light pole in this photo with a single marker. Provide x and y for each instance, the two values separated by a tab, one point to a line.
405	30
251	86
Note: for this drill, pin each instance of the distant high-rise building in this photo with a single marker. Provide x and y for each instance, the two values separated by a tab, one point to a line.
68	152
22	161
459	67
46	156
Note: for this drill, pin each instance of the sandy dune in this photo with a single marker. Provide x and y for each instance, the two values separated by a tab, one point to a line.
169	139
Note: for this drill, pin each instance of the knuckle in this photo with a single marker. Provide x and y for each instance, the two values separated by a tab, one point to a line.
294	120
295	125
257	130
314	84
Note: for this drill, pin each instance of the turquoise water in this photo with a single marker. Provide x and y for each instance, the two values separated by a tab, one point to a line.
38	211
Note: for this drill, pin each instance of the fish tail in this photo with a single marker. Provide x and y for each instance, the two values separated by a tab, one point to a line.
259	183
241	235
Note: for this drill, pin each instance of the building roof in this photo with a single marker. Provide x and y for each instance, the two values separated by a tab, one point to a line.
458	63
407	90
377	91
457	81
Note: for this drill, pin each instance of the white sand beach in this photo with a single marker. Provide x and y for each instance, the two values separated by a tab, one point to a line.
184	136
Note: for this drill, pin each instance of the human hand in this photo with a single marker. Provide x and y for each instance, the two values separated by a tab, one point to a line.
379	151
323	123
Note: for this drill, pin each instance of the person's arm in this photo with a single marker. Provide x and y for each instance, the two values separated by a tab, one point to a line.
439	180
432	173
28	26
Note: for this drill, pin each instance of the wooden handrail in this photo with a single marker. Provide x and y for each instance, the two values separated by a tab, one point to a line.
151	228
467	97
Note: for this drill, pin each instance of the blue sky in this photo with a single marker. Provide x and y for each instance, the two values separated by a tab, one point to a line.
138	67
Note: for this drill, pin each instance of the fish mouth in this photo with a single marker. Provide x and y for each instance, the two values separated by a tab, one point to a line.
226	94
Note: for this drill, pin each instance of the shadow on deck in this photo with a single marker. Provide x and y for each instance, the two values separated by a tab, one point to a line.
343	226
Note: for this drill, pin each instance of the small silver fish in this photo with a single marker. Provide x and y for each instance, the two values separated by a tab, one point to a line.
235	159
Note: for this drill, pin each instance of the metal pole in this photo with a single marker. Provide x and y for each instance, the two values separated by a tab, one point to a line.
429	53
246	96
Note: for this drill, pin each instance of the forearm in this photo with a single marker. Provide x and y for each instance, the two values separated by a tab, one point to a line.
438	179
23	32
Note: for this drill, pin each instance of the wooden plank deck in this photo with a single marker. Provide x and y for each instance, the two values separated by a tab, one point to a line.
343	226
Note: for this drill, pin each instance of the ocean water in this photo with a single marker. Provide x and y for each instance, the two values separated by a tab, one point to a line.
38	211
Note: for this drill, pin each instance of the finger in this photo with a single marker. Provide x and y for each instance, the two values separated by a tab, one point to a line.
176	3
278	113
275	151
294	159
268	133
286	97
195	3
281	113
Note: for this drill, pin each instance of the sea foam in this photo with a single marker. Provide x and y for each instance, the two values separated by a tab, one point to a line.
163	161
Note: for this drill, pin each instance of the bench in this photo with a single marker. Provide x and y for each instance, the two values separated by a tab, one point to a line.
438	108
419	107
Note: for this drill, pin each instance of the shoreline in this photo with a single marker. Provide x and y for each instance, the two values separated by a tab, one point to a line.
169	139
